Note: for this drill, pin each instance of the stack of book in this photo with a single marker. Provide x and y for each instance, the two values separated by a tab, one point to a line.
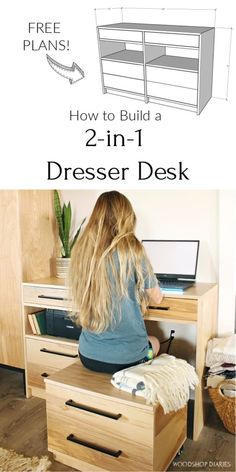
37	322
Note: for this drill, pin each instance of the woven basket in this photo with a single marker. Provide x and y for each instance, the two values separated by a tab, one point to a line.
225	406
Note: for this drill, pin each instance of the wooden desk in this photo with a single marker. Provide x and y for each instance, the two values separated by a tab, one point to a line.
196	306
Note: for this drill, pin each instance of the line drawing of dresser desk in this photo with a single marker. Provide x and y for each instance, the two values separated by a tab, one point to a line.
164	64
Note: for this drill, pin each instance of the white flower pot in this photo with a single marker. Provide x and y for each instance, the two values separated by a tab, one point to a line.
62	265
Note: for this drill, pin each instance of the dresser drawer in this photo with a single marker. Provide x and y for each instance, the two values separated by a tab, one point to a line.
175	308
121	69
46	296
174	93
45	358
76	431
135	36
124	84
187	40
172	77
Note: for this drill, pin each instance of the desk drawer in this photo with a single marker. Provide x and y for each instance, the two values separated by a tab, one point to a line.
122	83
46	296
175	308
172	77
168	92
130	435
187	40
118	35
121	69
44	357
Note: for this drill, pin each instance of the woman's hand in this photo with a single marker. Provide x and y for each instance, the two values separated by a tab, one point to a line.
155	295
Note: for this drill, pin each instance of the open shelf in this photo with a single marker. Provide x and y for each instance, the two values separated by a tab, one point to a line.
187	64
175	62
126	55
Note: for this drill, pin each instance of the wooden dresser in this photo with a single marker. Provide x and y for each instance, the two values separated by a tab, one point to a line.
92	426
46	355
166	64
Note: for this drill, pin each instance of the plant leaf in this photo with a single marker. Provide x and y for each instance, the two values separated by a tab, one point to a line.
66	217
58	215
67	221
77	234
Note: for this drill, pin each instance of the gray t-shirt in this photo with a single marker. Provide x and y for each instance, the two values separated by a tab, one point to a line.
127	342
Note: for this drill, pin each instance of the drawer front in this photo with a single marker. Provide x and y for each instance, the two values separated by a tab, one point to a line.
168	92
129	436
108	455
172	77
120	35
175	308
45	357
126	70
122	83
173	39
46	296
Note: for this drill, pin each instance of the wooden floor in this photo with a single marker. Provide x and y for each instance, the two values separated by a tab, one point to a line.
23	428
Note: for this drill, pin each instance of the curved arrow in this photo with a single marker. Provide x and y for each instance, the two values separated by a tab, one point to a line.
73	73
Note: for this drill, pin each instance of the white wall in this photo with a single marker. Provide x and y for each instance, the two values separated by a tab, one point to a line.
183	214
227	261
167	214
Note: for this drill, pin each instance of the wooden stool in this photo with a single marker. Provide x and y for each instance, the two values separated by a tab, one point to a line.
92	426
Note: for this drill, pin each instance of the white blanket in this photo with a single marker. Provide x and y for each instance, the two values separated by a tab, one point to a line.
165	380
221	350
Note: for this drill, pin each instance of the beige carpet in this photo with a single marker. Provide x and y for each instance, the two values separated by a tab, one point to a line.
10	461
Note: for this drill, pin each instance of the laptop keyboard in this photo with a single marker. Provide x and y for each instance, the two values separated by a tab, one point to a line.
175	284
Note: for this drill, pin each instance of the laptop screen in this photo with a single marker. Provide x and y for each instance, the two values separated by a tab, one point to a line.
173	259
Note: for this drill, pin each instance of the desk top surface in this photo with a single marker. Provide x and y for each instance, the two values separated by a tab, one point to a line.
48	282
196	291
178	29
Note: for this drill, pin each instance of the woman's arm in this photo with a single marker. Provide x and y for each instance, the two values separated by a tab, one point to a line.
155	295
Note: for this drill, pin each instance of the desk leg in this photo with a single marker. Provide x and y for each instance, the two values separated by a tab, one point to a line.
206	329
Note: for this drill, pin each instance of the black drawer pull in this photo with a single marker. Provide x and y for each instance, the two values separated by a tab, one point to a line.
105	450
93	410
51	298
58	353
44	374
164	308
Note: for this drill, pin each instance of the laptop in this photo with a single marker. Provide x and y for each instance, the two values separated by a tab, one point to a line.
174	262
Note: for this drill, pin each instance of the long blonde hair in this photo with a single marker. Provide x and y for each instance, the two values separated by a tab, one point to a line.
95	276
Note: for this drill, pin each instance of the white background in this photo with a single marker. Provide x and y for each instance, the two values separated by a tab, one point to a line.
35	104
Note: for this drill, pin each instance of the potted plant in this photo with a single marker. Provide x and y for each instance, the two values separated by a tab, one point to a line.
63	216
